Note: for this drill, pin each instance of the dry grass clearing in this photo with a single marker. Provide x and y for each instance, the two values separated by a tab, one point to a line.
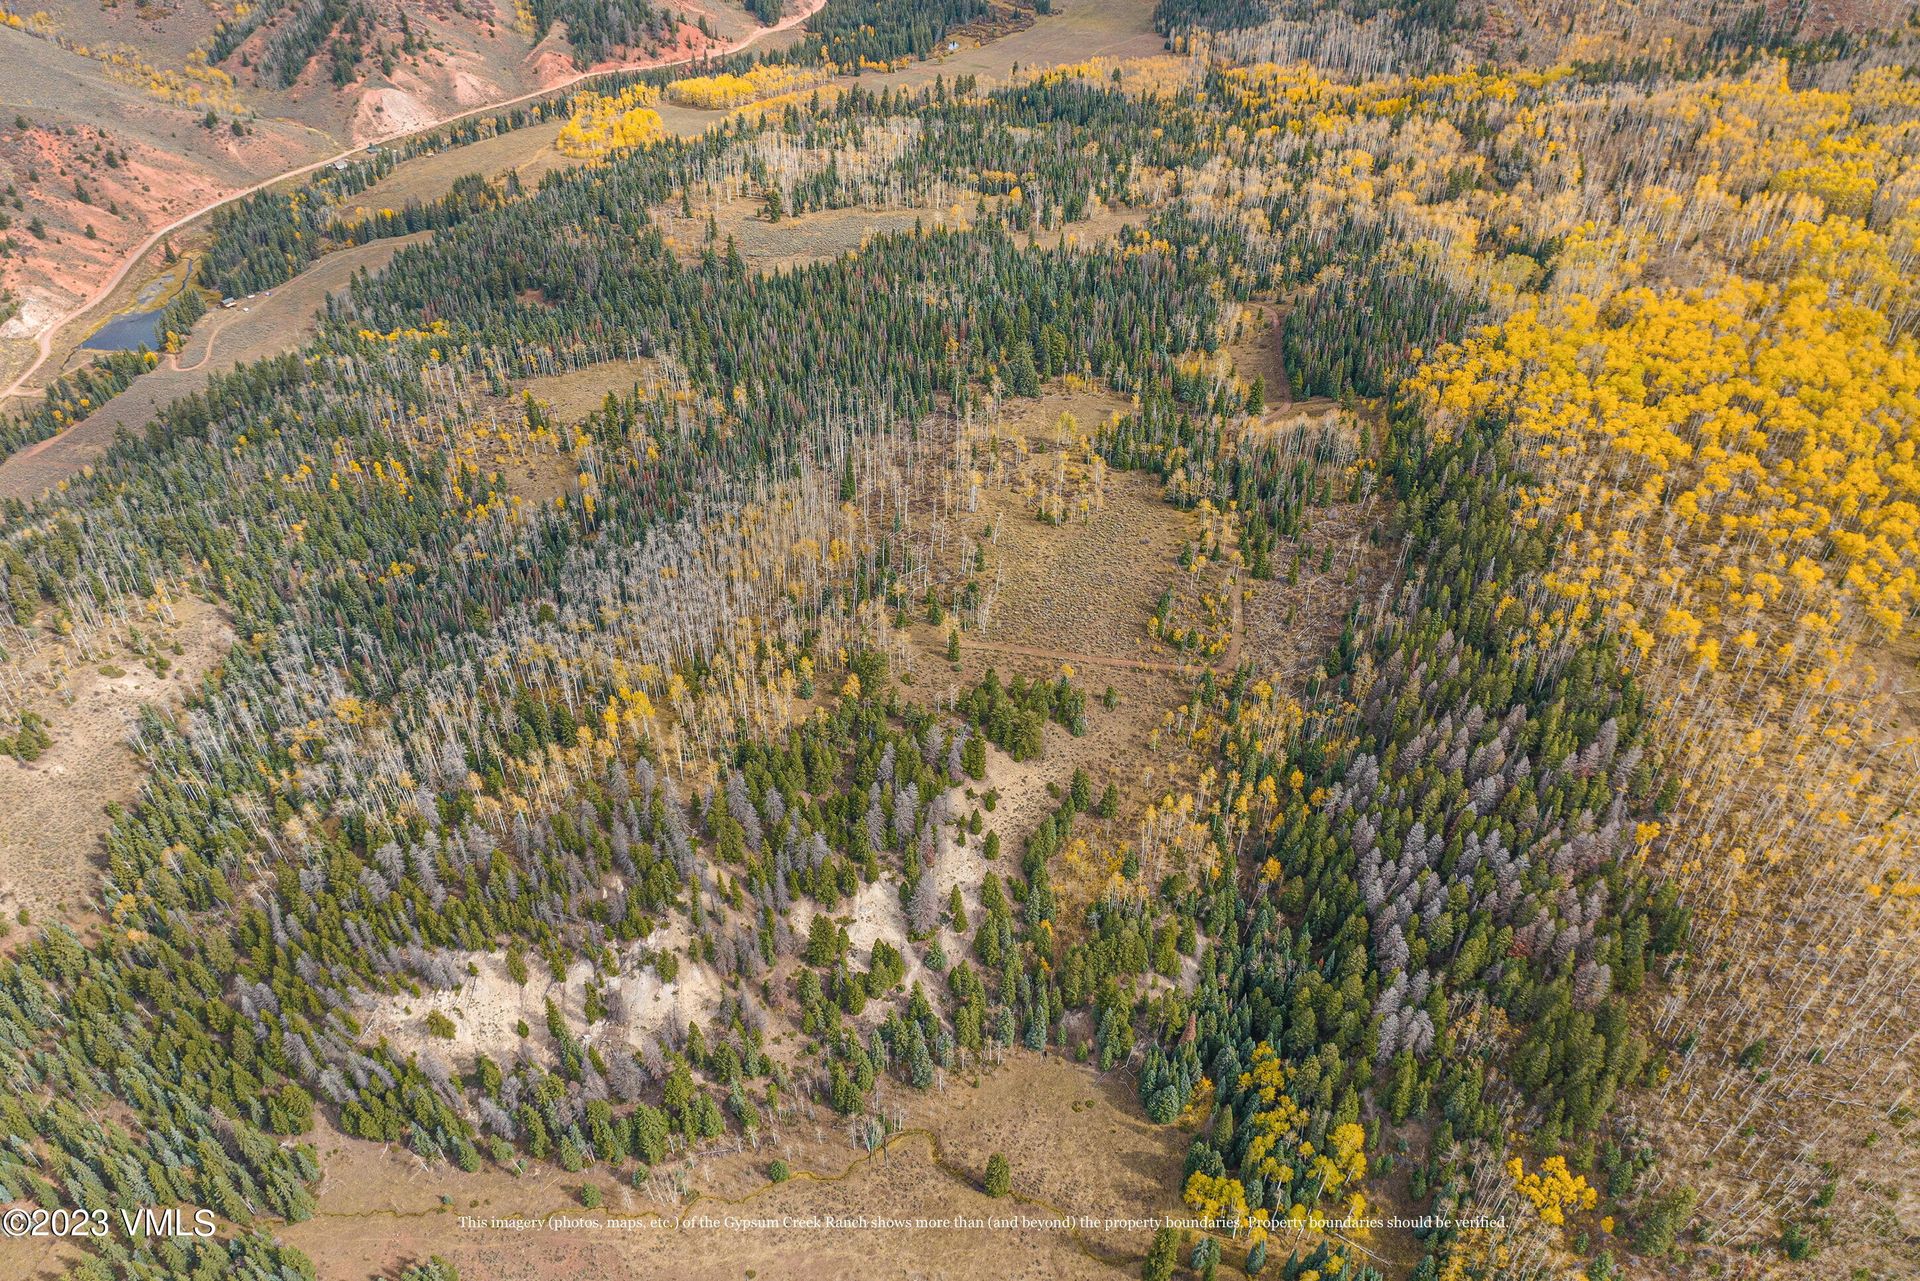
538	466
39	1258
1290	626
1104	224
578	392
1117	748
822	235
1257	352
528	152
54	806
1077	587
1087	586
1077	1143
1075	596
542	478
1075	31
1075	1140
1255	348
792	242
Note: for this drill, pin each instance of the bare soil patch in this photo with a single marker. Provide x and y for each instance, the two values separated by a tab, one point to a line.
487	1007
484	1011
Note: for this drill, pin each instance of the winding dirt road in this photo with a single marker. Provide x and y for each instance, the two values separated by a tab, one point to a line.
50	334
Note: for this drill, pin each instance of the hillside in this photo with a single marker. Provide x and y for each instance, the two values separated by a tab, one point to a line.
1224	638
123	118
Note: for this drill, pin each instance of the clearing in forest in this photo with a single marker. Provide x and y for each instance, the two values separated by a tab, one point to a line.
1076	1141
86	700
795	240
572	395
1085	586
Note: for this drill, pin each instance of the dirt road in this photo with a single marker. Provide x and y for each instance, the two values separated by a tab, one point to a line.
272	325
50	335
266	327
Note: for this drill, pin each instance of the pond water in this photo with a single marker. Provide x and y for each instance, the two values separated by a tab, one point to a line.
126	333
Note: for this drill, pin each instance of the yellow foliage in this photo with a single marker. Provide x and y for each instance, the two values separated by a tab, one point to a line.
726	90
1553	1190
601	124
1774	421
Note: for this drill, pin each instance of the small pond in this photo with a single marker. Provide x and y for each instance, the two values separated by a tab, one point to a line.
134	330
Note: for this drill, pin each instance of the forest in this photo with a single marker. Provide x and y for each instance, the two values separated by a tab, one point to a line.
1587	832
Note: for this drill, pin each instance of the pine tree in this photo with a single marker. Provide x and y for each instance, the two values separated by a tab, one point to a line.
1162	1256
